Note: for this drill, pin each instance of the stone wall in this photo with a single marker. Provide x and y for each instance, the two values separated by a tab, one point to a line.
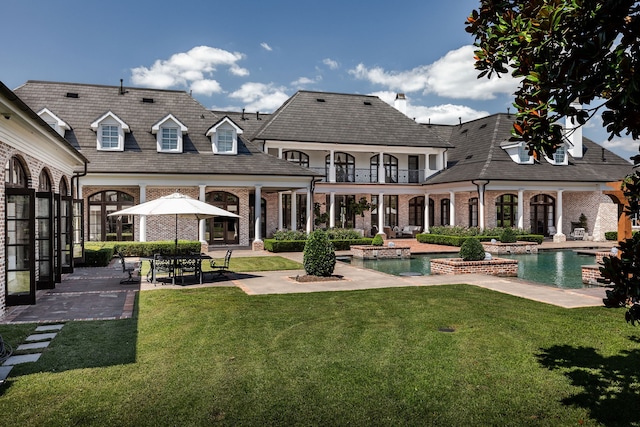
500	248
381	252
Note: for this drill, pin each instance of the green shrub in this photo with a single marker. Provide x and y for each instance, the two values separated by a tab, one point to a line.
290	235
98	258
611	235
508	235
273	245
472	250
377	240
319	257
438	239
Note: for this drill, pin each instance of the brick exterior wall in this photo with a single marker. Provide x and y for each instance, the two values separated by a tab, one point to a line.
381	252
33	168
495	267
500	248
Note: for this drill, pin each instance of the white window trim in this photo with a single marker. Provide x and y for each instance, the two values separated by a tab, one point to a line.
59	125
227	124
112	120
565	161
169	122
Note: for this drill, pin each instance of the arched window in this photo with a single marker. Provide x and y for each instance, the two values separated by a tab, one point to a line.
44	181
543	214
64	188
416	211
445	210
473	212
507	210
223	230
345	167
103	227
390	168
297	157
15	175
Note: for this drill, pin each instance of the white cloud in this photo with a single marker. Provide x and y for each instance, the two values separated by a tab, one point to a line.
266	47
452	76
261	97
305	81
332	64
623	147
444	114
193	68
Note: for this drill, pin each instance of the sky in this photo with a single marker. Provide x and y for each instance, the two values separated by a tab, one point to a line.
254	55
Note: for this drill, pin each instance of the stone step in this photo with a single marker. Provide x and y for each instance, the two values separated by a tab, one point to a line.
4	373
45	328
24	358
42	337
32	346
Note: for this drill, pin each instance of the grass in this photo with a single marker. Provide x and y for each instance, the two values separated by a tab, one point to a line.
216	356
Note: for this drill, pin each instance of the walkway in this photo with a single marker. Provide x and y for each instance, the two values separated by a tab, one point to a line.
96	293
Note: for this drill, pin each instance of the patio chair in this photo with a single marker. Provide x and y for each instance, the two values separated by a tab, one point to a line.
129	269
221	268
577	234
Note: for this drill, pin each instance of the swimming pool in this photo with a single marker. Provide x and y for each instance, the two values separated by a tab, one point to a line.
561	269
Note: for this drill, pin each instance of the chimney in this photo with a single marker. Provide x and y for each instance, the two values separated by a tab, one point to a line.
401	103
574	134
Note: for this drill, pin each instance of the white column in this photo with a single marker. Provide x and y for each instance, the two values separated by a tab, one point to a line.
381	170
427	213
280	225
332	166
258	213
481	222
309	210
294	211
202	223
280	152
559	236
452	208
521	208
332	210
143	218
380	213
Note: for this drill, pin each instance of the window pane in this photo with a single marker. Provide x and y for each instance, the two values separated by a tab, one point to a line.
225	140
169	138
109	136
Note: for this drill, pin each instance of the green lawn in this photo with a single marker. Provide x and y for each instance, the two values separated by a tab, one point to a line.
216	356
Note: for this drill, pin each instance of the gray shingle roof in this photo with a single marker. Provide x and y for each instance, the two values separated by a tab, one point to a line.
140	155
478	156
348	119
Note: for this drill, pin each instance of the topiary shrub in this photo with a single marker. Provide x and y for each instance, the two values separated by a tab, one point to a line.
472	250
319	258
377	240
508	235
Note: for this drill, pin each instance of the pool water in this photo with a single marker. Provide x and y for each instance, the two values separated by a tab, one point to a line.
561	269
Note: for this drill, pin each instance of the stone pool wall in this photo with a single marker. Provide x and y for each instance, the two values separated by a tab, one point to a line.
381	252
500	248
591	273
494	267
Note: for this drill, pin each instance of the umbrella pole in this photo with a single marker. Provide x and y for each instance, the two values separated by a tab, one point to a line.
175	254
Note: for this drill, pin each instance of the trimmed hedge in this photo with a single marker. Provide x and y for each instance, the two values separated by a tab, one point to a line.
441	239
273	245
98	258
99	254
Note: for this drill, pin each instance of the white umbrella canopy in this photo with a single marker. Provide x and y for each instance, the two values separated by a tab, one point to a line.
178	204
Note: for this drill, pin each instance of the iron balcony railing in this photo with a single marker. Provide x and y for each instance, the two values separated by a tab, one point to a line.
367	176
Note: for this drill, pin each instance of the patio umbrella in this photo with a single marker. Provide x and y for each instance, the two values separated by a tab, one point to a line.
179	205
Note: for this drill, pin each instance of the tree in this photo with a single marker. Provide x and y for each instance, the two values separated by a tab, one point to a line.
319	257
563	51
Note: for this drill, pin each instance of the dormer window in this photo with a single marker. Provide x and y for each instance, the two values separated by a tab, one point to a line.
224	136
523	153
110	130
518	152
54	121
169	132
560	156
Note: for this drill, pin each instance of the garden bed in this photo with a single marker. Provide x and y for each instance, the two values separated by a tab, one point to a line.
494	267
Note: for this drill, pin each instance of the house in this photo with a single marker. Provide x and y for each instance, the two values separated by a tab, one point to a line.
37	216
346	160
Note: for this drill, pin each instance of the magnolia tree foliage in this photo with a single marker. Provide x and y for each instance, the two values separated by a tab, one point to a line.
563	51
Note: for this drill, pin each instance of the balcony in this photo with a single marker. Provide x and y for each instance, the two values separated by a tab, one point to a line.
365	176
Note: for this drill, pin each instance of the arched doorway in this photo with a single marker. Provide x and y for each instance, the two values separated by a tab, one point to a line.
20	283
223	230
45	236
543	214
